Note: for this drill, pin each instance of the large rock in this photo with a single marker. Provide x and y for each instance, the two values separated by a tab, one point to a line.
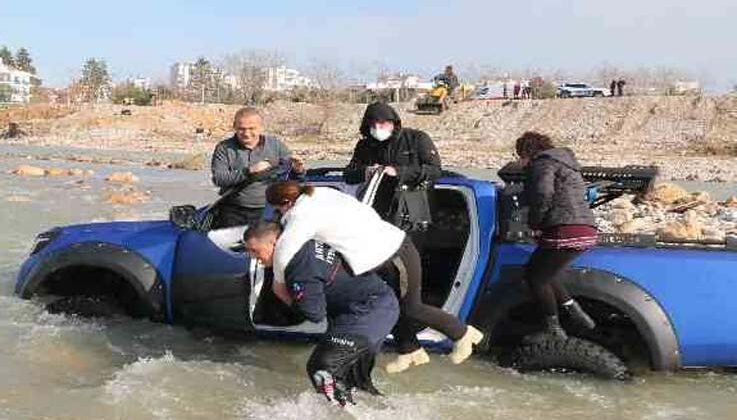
57	172
667	194
28	170
122	177
193	163
638	225
131	196
681	230
619	216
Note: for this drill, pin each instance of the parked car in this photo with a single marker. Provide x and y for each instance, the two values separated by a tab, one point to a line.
576	90
664	305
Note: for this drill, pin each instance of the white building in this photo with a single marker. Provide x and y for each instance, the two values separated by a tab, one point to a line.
283	78
143	83
16	82
399	81
180	75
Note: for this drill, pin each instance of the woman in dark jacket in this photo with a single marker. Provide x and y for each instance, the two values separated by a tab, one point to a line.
555	192
408	156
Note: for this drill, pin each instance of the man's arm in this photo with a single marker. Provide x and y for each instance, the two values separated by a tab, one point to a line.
304	284
427	169
282	292
222	175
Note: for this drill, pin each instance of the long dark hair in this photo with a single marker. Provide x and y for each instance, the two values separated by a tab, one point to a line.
284	192
531	143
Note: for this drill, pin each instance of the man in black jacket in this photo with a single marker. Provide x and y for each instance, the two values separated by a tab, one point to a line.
408	156
361	311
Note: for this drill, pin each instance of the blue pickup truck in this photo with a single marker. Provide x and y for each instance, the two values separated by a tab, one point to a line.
662	306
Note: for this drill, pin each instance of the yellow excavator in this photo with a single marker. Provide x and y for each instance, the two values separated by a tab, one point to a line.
436	100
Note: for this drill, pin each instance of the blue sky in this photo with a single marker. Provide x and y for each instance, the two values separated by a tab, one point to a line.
146	37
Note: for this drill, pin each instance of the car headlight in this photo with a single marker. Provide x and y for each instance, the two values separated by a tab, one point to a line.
43	239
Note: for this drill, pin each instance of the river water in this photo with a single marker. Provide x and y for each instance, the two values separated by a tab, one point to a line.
60	367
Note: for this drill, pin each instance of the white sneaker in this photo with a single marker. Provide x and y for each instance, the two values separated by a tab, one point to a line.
405	361
463	348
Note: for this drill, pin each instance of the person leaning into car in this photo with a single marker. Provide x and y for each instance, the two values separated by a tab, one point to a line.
250	159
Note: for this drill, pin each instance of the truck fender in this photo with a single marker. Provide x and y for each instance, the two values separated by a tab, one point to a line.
129	265
648	316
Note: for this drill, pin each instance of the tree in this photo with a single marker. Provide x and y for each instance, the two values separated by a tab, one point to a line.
95	80
6	56
328	78
24	62
201	81
130	94
251	70
5	93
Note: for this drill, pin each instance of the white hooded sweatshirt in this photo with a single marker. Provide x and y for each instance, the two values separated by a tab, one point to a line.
352	228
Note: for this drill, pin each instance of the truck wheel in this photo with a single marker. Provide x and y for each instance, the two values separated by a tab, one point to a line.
574	354
87	306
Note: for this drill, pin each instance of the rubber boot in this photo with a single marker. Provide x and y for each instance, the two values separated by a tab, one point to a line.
551	330
578	315
463	348
406	361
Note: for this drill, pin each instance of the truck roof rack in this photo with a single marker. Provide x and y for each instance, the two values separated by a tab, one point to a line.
603	183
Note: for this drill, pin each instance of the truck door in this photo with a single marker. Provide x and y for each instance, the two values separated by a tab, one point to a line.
211	286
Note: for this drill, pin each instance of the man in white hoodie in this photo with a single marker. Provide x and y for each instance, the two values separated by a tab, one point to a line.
366	242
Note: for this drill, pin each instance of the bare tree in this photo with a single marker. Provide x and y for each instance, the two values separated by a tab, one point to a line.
328	78
252	71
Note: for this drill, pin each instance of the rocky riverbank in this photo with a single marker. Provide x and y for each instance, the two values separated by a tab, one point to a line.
689	138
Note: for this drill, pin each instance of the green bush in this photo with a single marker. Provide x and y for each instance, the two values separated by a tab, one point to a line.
128	94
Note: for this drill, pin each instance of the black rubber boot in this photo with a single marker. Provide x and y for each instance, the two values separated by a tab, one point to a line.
552	329
579	316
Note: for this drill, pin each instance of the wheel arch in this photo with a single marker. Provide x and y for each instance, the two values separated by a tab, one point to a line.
141	276
648	316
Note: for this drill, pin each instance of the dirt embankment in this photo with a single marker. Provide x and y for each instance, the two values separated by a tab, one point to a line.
689	137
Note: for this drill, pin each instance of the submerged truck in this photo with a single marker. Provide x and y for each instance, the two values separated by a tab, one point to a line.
657	305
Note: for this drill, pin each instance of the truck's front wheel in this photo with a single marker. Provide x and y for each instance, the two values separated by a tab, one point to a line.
574	354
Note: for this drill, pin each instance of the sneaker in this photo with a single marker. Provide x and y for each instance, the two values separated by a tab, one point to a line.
463	348
579	316
405	361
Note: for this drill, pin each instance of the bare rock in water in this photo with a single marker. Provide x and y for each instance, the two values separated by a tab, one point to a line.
28	170
667	193
122	177
193	163
731	201
127	196
18	198
57	172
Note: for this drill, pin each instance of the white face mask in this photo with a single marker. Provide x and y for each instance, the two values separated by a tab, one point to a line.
381	134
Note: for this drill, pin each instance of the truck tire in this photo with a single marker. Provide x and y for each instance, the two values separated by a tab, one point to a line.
574	354
87	306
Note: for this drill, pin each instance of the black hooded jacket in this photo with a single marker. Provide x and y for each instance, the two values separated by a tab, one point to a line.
555	191
411	151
